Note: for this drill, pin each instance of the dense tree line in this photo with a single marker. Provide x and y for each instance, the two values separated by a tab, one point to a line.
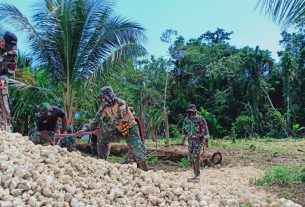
241	92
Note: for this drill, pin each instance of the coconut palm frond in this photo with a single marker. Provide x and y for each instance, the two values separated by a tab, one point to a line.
41	91
113	34
283	12
29	96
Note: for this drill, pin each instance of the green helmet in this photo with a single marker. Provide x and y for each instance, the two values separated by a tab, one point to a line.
42	109
44	106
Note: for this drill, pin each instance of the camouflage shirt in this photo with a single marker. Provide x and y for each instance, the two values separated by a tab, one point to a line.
119	113
7	62
195	127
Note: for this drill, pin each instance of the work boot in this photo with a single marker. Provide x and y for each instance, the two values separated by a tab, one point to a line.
8	128
196	168
142	165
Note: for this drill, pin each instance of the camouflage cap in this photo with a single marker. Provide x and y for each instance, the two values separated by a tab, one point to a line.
191	108
105	90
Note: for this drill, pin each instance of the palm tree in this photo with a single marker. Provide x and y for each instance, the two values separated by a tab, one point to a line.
75	40
284	12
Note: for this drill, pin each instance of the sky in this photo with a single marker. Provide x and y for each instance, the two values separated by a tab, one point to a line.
190	18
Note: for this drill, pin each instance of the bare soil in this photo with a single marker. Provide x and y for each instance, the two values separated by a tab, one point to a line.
248	162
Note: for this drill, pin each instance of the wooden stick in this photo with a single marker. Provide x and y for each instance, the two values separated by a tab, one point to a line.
71	135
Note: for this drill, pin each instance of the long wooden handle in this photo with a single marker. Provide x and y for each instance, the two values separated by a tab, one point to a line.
72	134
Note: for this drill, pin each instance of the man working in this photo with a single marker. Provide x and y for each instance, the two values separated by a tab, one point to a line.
8	54
123	125
47	123
195	129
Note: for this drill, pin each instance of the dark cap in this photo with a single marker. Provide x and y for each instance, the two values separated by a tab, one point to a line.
10	41
191	108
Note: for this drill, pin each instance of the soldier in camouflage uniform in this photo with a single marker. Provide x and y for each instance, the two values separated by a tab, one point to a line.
47	121
195	129
123	125
8	55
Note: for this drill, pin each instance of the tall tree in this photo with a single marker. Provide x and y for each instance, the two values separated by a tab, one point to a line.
74	40
219	36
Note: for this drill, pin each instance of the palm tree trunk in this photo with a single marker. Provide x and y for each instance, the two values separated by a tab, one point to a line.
68	105
166	113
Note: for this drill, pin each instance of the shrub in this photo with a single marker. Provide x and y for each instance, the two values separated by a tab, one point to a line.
242	126
282	176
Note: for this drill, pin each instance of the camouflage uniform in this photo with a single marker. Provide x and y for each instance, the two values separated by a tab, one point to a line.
8	57
36	138
68	142
47	119
123	125
196	131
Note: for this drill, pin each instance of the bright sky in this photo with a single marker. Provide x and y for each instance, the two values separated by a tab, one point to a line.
191	18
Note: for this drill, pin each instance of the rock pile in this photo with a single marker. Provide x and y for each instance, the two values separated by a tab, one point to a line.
33	175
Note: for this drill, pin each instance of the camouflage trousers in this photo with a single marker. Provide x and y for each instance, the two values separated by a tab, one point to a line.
133	140
93	145
5	115
36	137
69	142
195	147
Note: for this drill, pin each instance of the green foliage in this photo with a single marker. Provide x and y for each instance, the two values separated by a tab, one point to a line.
296	129
282	176
174	131
275	124
152	160
214	127
184	163
243	126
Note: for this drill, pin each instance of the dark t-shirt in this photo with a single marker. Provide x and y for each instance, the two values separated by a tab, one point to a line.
48	122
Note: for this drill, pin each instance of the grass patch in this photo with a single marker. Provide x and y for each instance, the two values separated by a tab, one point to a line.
115	159
282	176
162	141
152	160
184	163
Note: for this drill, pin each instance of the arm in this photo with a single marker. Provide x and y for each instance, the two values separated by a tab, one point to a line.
12	60
89	127
64	125
47	137
2	83
61	114
204	132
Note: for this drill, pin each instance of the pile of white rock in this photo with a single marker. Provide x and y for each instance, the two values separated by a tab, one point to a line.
35	175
